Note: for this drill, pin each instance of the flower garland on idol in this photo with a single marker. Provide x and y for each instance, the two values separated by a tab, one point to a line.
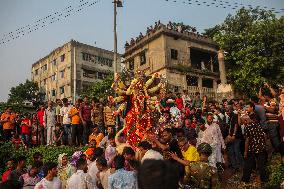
137	102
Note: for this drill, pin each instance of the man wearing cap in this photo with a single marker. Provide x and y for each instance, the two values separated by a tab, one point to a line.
201	174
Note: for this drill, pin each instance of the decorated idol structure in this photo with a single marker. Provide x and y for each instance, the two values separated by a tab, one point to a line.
137	102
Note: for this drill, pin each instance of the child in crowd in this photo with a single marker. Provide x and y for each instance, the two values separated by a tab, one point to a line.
90	150
58	133
17	141
26	127
110	151
10	167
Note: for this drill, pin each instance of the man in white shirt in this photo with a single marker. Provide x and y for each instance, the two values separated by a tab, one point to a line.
66	122
147	152
81	179
211	134
186	98
92	168
104	172
50	181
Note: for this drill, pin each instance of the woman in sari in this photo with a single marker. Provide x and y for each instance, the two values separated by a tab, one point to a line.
65	169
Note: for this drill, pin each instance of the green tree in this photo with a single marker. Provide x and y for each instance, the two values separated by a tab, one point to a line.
254	42
27	91
100	89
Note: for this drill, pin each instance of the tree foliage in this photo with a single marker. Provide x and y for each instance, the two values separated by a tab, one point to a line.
254	42
27	91
100	89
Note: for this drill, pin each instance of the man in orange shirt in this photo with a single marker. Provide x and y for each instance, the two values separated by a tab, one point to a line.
76	128
8	120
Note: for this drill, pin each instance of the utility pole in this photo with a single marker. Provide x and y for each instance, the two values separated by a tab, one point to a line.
115	39
116	3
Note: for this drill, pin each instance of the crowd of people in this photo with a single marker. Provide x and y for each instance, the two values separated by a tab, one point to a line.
192	142
57	124
178	27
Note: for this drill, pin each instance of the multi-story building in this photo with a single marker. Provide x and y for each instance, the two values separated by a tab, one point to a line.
189	61
70	69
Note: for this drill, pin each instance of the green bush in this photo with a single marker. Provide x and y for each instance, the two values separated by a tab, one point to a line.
49	153
276	170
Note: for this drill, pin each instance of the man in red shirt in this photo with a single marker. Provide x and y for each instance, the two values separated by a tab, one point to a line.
26	130
41	128
179	102
85	115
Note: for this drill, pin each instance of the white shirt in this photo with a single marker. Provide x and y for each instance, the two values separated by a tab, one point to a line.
92	171
45	184
186	99
104	178
152	154
64	111
175	112
216	117
80	180
213	136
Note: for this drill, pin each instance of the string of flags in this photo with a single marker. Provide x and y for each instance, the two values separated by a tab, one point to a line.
49	19
226	5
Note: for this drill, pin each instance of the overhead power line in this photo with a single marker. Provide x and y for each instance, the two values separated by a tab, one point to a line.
226	5
45	21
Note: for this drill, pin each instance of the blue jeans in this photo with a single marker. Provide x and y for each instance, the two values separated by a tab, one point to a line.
235	155
67	134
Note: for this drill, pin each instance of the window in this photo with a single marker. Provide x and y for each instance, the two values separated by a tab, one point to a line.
62	57
131	64
191	80
53	92
97	59
142	58
207	83
54	62
36	72
87	57
44	68
174	54
215	64
44	81
201	59
53	77
62	73
61	89
176	89
89	73
110	63
101	75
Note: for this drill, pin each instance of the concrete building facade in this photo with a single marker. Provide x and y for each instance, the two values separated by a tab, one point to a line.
188	60
70	69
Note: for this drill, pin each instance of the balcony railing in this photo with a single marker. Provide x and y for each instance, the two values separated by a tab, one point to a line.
209	92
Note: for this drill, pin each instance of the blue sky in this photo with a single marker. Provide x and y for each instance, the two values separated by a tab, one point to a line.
94	25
